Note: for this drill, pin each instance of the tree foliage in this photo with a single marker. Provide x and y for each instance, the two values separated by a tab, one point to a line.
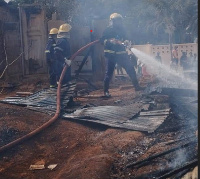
149	20
177	17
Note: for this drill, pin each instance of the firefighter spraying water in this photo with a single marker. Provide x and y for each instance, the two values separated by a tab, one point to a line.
113	39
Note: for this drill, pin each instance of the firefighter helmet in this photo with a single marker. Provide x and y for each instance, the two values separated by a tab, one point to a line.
115	16
53	31
65	28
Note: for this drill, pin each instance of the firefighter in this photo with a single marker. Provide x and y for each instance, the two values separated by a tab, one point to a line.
115	51
50	56
62	52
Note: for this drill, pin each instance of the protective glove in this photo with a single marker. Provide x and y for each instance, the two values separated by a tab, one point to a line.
127	44
115	41
68	62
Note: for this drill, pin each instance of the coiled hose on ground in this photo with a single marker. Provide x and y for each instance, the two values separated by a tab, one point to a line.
55	117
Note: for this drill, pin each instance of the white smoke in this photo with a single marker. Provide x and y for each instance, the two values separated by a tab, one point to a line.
164	73
180	159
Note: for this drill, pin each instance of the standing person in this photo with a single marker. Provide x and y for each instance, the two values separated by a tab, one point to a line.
195	63
183	61
191	60
191	57
174	62
63	52
50	57
139	69
115	52
195	57
158	58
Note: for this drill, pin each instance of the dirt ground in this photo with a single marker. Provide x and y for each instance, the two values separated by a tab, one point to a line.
81	150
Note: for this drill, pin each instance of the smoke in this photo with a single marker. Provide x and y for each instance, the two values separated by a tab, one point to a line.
167	77
180	159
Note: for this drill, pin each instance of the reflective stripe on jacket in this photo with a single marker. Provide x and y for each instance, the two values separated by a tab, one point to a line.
51	43
113	33
62	49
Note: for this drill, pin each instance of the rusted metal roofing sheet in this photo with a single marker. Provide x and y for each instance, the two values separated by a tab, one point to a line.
44	100
128	117
189	104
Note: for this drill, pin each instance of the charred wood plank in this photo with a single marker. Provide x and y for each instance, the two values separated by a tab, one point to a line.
191	164
148	159
24	93
152	174
178	140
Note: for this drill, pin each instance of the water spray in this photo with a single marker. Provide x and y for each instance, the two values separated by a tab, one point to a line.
164	73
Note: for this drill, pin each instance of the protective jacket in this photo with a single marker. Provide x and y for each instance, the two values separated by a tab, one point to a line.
51	61
62	49
50	50
62	52
113	33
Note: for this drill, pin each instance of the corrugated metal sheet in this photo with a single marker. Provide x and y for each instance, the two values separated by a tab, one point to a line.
172	88
128	117
45	100
189	104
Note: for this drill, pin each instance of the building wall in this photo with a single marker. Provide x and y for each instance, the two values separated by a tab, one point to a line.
98	27
34	32
54	22
79	37
9	45
165	52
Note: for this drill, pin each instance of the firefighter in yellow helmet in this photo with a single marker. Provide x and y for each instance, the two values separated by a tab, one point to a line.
113	39
50	56
62	52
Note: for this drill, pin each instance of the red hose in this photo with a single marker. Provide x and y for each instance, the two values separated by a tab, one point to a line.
53	119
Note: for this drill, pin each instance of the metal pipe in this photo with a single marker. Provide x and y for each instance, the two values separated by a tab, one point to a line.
21	37
58	107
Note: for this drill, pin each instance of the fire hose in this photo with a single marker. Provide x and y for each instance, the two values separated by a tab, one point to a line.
58	107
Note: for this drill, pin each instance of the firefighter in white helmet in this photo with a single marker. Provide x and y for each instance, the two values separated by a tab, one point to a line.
50	58
63	52
113	39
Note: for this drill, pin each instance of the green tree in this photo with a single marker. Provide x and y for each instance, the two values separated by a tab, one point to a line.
146	20
178	16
